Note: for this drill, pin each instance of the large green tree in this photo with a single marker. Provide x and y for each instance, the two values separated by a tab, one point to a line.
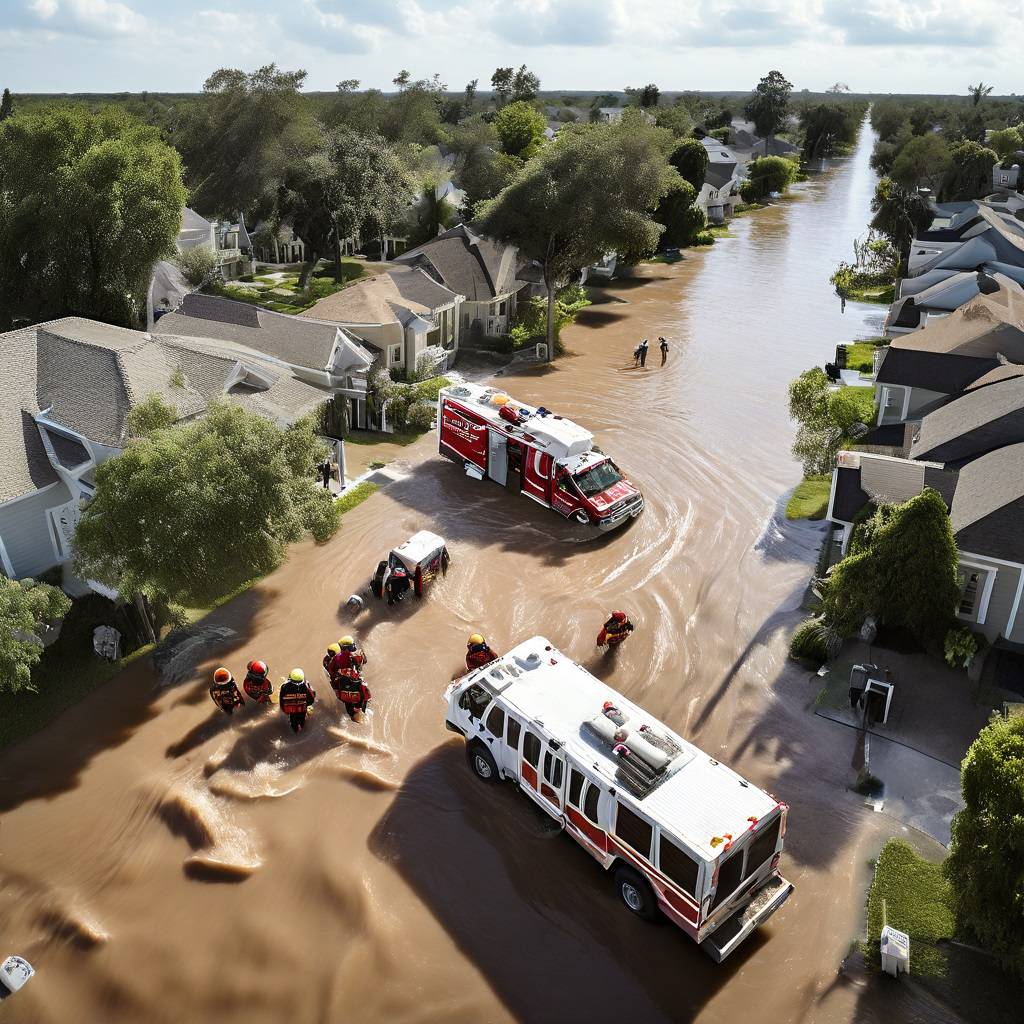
481	170
88	203
26	606
970	172
588	192
899	214
690	158
985	866
924	160
902	567
768	107
828	126
192	512
678	212
520	127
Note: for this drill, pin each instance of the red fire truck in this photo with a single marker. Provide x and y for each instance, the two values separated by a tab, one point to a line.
682	834
546	457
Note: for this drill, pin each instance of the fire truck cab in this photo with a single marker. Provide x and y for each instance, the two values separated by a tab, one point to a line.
532	451
682	834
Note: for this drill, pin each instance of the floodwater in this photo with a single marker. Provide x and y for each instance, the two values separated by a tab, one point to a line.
161	862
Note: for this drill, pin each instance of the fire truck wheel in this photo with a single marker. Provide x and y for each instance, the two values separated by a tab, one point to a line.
635	891
481	763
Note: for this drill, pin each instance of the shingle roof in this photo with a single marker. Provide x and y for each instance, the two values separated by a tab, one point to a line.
467	263
392	297
944	373
988	508
1002	372
292	339
976	422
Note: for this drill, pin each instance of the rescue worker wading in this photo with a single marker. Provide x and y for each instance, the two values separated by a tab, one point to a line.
398	584
615	630
346	678
257	684
478	653
296	697
225	692
333	650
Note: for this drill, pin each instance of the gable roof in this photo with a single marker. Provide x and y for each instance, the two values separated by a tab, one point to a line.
396	296
988	508
467	263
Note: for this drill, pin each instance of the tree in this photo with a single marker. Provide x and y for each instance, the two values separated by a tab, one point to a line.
89	203
192	512
520	129
402	79
769	174
501	84
1007	142
239	139
903	567
645	96
683	220
469	95
899	214
970	172
197	264
480	170
987	845
818	438
525	84
676	119
26	607
586	193
978	92
6	105
690	158
826	126
924	160
153	413
769	105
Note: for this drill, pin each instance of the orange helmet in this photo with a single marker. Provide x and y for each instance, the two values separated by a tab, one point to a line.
222	675
258	668
619	616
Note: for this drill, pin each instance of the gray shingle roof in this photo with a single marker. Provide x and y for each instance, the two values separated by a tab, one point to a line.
392	297
988	508
468	263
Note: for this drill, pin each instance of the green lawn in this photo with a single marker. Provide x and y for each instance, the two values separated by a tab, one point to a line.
883	295
355	496
810	499
860	355
912	895
321	284
399	437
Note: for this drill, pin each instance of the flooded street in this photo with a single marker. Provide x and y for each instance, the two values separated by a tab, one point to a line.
160	862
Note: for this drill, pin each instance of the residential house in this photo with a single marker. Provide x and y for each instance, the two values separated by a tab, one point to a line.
481	270
229	242
720	192
985	498
937	293
978	236
924	369
65	396
405	313
318	352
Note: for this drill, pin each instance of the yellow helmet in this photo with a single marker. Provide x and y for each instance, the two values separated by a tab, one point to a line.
334	649
297	675
476	638
346	641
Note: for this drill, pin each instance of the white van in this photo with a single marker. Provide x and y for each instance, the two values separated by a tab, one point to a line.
681	832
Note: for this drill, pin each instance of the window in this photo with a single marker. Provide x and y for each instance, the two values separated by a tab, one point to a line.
513	730
729	875
632	829
565	484
394	354
892	401
531	748
501	309
496	721
575	787
598	478
679	866
553	769
973	581
475	701
590	802
763	847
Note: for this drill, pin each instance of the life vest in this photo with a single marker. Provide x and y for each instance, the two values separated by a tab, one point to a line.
225	695
615	632
296	698
348	687
479	654
259	688
344	661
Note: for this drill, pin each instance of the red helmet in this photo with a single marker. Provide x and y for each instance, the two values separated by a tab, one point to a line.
258	668
222	675
619	616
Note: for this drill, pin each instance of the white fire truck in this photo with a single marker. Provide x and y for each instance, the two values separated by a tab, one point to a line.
532	451
681	833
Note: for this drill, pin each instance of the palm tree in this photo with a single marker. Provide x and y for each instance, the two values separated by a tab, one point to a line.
978	92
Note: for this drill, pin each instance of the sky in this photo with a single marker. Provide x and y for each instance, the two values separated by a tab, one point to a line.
173	45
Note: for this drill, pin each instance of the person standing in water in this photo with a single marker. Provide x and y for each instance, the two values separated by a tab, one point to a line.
643	352
224	691
296	699
663	345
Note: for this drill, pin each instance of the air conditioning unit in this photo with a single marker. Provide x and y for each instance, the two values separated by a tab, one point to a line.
895	951
848	460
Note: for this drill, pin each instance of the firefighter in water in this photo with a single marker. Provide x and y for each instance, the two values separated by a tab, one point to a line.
296	697
345	671
346	658
398	584
478	652
225	692
332	651
257	684
615	630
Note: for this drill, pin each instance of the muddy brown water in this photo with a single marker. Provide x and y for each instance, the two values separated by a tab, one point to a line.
160	862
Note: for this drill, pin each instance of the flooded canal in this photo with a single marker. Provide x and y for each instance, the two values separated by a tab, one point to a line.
162	863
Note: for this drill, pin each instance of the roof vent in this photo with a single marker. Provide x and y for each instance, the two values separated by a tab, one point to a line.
531	661
987	285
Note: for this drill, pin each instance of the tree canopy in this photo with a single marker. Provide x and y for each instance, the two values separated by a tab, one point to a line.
690	158
769	105
6	105
26	606
88	203
192	512
985	866
768	174
899	214
924	160
829	126
970	172
520	127
683	220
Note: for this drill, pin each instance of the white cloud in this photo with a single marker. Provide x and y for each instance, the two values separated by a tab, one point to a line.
83	17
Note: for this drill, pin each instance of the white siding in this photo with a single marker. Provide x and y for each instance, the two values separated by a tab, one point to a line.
25	529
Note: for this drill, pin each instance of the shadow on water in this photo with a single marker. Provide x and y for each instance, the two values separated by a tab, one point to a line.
532	911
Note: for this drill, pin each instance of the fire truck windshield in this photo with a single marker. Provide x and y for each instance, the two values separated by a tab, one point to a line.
598	478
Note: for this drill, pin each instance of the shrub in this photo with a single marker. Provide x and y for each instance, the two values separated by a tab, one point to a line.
808	642
750	193
960	647
196	265
704	238
769	174
850	406
420	416
722	134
